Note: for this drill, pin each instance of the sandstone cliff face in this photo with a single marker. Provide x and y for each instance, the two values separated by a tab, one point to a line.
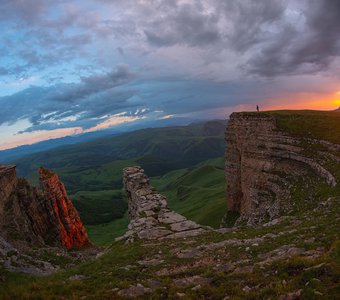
44	217
264	164
150	217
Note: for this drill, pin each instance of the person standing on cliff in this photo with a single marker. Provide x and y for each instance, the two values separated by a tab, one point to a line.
257	108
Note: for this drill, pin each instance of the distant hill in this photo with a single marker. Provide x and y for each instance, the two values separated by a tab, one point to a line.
15	153
338	110
18	152
158	150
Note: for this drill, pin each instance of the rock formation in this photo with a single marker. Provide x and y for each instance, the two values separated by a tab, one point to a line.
262	163
71	230
150	217
37	217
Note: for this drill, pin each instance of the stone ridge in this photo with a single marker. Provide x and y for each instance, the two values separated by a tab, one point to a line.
258	159
150	217
39	217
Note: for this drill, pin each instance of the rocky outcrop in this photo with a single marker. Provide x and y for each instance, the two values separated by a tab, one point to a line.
8	183
150	217
72	233
15	261
263	162
39	217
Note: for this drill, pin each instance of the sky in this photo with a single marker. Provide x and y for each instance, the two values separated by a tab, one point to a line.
70	67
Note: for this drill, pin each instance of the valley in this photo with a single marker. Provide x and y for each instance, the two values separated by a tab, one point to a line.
178	157
281	216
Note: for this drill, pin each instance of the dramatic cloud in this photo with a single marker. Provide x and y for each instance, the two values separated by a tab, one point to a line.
79	104
184	24
310	48
75	64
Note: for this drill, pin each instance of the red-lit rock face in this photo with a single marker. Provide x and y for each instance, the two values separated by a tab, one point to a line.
71	230
44	217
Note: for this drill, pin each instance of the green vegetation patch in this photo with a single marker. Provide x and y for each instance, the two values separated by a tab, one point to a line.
105	234
198	193
100	206
310	124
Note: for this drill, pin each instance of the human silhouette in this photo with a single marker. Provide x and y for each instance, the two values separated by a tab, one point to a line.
257	108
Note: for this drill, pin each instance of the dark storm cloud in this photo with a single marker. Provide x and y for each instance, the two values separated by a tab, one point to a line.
248	20
184	24
93	84
311	50
237	25
265	31
259	31
54	107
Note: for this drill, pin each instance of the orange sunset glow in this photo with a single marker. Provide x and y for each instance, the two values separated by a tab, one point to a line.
306	101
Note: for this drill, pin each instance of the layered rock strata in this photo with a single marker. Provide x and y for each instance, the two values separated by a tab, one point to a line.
259	161
39	217
150	217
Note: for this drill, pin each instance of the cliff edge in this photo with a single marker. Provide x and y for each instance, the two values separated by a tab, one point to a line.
276	164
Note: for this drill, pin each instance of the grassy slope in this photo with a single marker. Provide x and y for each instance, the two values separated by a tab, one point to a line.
104	234
103	177
118	268
100	206
323	125
198	193
158	150
310	124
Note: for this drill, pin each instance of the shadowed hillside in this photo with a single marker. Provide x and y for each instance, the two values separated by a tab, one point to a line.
158	150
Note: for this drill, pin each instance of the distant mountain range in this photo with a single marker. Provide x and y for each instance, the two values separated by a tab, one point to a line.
15	153
158	150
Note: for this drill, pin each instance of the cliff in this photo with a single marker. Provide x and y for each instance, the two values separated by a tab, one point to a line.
149	215
271	170
71	230
39	217
7	184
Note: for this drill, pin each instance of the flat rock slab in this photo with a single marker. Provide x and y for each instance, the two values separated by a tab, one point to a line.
171	217
191	281
184	226
134	291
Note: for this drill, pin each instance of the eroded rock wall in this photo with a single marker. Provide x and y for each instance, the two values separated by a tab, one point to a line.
71	231
259	160
150	217
39	217
8	182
